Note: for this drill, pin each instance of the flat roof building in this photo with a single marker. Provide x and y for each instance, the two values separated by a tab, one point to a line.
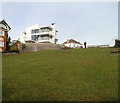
40	34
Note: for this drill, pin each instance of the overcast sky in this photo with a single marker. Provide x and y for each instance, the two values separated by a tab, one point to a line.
95	23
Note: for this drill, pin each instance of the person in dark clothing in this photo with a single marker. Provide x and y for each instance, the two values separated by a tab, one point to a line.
85	44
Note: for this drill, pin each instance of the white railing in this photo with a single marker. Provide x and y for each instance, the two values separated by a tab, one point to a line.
42	33
44	38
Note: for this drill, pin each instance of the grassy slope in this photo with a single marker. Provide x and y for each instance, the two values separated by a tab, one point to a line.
84	74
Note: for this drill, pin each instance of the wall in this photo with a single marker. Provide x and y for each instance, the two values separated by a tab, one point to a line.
41	46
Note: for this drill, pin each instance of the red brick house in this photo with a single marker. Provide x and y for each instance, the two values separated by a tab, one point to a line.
4	28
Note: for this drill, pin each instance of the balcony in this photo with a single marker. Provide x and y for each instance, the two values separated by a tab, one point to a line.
44	39
44	33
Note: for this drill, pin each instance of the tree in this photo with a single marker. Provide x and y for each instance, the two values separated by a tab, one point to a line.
7	43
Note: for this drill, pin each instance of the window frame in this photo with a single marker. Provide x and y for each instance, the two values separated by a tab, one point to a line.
2	33
1	43
34	31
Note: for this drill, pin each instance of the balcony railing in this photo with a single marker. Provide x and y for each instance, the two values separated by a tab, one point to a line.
44	38
45	32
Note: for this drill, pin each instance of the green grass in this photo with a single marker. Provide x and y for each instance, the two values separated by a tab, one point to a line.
61	75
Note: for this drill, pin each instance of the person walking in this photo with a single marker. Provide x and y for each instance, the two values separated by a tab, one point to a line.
85	44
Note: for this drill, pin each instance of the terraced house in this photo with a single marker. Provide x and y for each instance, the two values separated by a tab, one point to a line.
39	34
4	28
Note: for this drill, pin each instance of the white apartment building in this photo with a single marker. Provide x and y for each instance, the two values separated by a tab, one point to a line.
40	34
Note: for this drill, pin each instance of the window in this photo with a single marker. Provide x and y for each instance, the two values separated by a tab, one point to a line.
74	45
35	31
69	44
1	33
1	39
34	37
1	44
2	26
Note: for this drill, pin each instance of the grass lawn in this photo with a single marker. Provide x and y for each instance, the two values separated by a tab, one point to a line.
61	75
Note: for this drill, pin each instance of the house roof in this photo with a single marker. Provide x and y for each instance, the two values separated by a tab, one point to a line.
72	41
5	23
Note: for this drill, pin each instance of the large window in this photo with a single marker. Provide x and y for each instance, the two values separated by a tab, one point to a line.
34	37
1	44
2	33
35	31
